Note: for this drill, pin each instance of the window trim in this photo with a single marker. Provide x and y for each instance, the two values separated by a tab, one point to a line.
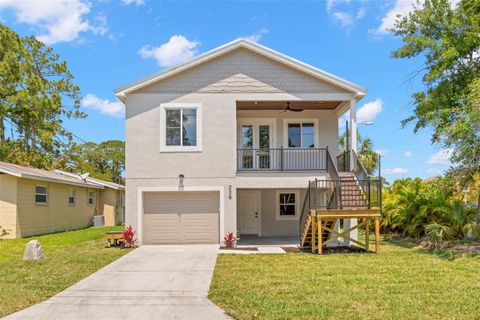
163	125
72	194
277	205
43	194
286	122
93	198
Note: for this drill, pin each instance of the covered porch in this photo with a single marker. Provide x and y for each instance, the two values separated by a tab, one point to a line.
291	135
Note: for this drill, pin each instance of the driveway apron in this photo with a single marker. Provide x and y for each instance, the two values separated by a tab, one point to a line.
151	282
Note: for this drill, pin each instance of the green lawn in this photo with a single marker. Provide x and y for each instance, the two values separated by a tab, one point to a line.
70	257
401	282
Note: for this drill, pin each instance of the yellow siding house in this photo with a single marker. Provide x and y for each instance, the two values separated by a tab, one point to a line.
35	201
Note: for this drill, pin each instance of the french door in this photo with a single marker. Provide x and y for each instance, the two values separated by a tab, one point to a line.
255	145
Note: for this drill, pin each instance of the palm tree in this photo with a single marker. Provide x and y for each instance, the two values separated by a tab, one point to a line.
367	156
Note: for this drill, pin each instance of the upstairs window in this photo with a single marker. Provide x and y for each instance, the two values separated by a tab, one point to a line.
180	127
301	135
71	197
41	195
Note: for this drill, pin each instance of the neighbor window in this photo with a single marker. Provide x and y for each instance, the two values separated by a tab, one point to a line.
71	197
91	197
287	205
301	135
180	127
41	194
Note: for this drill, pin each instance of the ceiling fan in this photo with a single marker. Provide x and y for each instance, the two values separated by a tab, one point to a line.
290	109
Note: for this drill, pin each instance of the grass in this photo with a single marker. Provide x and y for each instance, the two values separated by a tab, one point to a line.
70	257
401	282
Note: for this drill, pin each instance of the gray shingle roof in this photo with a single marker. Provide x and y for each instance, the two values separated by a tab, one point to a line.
55	176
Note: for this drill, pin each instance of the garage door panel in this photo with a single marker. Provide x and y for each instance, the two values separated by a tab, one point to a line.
181	217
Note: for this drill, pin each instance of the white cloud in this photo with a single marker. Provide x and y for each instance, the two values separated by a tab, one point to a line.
178	49
395	171
383	152
441	157
332	3
110	108
361	13
367	113
345	18
370	110
255	37
136	2
58	21
408	154
403	8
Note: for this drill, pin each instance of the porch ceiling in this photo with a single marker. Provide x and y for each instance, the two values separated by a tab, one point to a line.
280	105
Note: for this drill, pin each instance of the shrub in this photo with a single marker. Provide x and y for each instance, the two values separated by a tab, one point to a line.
129	237
230	240
438	233
414	208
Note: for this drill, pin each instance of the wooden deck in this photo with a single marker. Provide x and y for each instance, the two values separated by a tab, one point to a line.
320	227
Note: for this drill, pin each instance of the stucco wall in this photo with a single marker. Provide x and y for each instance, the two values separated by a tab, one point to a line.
270	225
216	85
8	204
57	215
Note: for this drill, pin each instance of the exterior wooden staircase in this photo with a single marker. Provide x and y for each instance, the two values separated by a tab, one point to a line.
352	198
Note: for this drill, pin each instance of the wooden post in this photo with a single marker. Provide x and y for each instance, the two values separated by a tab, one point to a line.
367	221
377	234
313	231
320	234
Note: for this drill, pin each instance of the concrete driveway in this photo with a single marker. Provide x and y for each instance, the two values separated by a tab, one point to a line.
152	282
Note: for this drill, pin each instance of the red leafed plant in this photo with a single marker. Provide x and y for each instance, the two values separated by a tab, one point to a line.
129	237
230	240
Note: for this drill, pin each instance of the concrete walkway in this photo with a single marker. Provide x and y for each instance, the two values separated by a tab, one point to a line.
152	282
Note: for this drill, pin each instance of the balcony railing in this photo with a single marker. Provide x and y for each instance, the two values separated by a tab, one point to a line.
283	159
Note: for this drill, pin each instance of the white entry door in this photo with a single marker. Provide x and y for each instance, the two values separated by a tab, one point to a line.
255	145
248	211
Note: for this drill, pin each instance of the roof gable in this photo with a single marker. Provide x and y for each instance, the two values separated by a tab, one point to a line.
259	50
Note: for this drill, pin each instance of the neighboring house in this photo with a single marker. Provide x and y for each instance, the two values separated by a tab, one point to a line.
35	201
214	145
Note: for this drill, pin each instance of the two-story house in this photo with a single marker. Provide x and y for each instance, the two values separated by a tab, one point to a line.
240	139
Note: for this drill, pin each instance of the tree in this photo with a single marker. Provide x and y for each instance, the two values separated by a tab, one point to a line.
104	161
39	94
447	36
367	156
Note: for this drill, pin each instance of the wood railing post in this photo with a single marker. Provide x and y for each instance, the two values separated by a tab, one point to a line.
367	240
377	234
313	219
320	235
281	158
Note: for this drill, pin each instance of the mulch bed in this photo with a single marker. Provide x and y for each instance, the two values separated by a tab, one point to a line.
328	250
241	248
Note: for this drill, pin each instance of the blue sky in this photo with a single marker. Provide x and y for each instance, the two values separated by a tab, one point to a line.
110	43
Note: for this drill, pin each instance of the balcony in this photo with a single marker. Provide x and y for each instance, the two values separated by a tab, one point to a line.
282	159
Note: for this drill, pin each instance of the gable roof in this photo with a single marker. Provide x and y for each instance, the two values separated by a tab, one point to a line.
253	46
57	176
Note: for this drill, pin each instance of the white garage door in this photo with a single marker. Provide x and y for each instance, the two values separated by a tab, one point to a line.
180	217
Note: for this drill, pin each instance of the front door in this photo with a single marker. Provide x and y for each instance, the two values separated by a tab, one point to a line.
248	211
255	143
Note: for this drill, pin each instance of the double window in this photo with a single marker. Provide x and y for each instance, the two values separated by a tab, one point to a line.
180	125
287	205
301	135
41	194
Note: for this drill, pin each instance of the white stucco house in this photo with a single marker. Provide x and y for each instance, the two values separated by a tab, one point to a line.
240	139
